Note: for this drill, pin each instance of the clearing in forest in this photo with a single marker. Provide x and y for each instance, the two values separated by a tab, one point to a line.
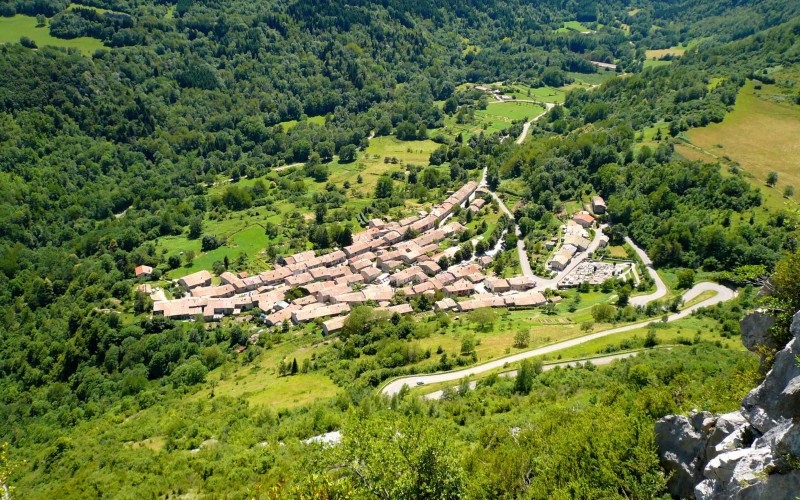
573	26
15	27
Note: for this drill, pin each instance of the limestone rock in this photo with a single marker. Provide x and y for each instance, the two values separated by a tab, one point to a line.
747	455
779	395
755	330
681	448
722	467
707	489
726	431
777	487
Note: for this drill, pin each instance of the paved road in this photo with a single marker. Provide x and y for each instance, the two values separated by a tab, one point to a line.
524	262
723	294
548	106
661	288
604	360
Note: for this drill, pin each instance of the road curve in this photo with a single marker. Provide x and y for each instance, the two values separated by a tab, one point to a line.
547	107
723	294
661	288
603	360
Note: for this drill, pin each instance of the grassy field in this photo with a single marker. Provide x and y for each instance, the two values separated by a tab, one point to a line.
667	334
653	57
772	198
672	335
496	117
13	28
249	241
260	384
572	26
507	112
659	53
288	125
649	63
99	10
761	135
499	340
371	165
584	79
617	252
244	231
543	94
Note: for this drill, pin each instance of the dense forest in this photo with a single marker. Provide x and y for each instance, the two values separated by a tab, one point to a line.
103	156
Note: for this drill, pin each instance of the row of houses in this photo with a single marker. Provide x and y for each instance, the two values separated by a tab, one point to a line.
520	299
382	244
378	265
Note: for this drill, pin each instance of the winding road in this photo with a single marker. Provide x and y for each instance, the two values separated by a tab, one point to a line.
548	106
601	361
661	288
723	294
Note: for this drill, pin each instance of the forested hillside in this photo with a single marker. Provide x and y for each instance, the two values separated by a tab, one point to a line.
201	120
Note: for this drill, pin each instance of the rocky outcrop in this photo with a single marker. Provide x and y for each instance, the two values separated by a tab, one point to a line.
750	454
755	328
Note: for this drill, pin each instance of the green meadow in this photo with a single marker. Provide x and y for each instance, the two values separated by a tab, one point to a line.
14	28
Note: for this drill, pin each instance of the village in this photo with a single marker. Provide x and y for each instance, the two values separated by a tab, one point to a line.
380	265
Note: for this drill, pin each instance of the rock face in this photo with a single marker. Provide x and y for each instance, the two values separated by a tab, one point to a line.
755	330
750	454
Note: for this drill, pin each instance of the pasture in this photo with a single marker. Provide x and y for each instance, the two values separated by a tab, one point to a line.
589	79
497	117
650	63
759	134
13	28
544	94
653	57
244	232
99	10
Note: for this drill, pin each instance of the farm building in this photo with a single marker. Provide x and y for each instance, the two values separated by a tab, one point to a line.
143	271
584	219
598	205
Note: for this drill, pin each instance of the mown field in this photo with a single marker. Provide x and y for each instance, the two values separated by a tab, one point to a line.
590	79
372	163
244	231
544	94
13	28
